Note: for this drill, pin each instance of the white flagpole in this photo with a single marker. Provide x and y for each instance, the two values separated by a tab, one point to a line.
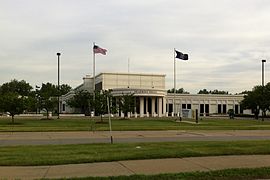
174	109
128	72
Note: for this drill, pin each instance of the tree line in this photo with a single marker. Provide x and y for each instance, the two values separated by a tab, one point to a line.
202	91
18	97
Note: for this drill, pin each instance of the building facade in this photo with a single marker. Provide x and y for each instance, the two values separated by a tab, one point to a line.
151	97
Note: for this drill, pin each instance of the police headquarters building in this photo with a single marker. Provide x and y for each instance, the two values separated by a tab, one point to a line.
151	97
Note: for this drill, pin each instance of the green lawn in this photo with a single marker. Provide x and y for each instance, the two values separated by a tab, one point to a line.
87	153
227	174
87	124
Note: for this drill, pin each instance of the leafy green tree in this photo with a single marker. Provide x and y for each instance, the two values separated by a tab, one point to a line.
257	99
244	92
178	91
48	97
64	89
82	100
13	103
100	103
231	113
127	103
203	91
218	92
30	103
20	87
15	97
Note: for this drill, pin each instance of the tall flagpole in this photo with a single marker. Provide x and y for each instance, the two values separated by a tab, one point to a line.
94	68
174	81
94	74
128	72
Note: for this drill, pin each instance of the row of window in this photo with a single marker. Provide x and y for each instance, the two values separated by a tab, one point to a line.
204	108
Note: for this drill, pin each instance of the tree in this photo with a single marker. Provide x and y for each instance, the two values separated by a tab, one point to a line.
127	103
178	91
20	87
15	97
257	99
48	97
30	103
13	103
100	102
243	92
205	91
64	89
218	92
82	100
231	113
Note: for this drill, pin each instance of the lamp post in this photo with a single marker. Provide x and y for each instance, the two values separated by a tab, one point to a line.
58	86
263	61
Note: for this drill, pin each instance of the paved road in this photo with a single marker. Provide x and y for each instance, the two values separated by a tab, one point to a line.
154	166
82	137
131	167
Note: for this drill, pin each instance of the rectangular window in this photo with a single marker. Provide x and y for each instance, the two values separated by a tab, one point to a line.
219	109
98	86
241	110
64	107
184	106
170	108
201	108
188	106
236	109
224	108
207	109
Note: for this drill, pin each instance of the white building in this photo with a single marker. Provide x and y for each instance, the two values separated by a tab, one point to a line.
151	97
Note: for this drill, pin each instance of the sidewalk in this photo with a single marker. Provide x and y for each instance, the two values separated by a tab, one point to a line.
154	166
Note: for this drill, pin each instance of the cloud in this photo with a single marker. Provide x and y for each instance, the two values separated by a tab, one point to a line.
225	40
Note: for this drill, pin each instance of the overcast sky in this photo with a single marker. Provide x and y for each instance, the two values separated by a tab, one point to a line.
225	39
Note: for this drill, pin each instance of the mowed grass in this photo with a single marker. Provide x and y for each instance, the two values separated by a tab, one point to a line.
94	124
227	174
88	153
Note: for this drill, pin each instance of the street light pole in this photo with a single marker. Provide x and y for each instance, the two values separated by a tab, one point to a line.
263	61
58	85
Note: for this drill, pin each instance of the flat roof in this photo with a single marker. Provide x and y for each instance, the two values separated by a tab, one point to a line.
138	74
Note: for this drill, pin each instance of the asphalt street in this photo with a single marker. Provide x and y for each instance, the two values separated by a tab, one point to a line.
84	137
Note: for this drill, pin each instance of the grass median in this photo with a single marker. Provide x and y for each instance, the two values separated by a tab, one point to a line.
88	153
94	124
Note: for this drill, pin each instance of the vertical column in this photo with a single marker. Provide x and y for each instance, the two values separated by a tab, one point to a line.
164	106
146	107
234	106
153	106
199	108
141	106
159	107
217	106
117	103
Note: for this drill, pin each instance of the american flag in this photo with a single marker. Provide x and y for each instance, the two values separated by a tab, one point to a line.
99	50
